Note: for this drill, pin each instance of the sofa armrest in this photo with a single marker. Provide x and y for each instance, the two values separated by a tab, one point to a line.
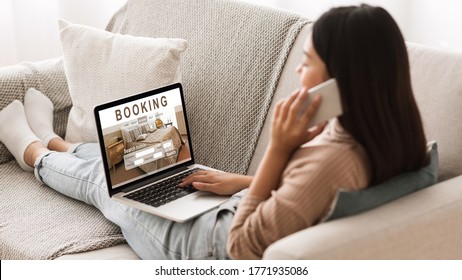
46	76
423	225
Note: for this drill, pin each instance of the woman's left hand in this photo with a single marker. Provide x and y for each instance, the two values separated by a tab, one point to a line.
289	128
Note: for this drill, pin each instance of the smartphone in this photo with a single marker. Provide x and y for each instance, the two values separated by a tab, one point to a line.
331	105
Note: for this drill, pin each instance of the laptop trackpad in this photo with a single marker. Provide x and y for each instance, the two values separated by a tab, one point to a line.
192	205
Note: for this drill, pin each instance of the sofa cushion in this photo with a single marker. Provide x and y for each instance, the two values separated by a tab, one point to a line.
349	203
101	66
424	225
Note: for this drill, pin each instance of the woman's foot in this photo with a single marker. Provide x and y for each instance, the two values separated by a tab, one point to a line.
33	151
15	132
39	113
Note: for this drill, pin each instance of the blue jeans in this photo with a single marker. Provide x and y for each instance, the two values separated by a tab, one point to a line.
79	174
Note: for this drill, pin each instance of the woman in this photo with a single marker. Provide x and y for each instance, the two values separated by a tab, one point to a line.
379	136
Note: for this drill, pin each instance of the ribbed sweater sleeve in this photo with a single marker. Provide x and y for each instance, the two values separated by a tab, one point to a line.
308	186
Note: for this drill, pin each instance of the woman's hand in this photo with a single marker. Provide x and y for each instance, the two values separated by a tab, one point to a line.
217	182
289	128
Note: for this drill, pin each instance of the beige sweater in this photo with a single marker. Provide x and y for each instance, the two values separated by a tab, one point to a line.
331	161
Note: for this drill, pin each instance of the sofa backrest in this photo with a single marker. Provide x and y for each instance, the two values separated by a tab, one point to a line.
288	82
230	71
437	83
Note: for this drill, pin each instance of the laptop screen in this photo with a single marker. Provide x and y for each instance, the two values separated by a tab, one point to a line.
143	134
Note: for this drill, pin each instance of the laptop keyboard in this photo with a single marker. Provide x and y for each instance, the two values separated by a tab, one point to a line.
165	191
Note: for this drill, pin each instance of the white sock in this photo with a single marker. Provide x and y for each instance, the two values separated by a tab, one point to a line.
15	132
39	113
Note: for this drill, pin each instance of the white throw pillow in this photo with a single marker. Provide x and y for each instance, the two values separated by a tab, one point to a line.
101	66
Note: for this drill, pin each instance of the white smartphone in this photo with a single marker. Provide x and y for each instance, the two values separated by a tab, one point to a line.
331	105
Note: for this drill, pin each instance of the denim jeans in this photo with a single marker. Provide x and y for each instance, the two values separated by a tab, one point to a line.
79	174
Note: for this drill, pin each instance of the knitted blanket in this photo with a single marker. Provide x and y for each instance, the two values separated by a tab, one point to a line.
39	223
235	56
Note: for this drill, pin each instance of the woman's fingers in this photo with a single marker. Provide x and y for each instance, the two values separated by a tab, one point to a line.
199	176
285	107
312	108
291	108
215	188
221	183
278	110
206	187
296	106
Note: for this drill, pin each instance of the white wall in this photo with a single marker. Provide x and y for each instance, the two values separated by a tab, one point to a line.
29	30
35	29
437	23
8	54
431	22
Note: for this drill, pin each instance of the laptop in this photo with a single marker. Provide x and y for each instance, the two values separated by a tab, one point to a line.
146	151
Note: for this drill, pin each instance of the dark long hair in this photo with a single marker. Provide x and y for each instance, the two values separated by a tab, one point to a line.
364	50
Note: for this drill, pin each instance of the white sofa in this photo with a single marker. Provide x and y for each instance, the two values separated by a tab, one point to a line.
424	225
